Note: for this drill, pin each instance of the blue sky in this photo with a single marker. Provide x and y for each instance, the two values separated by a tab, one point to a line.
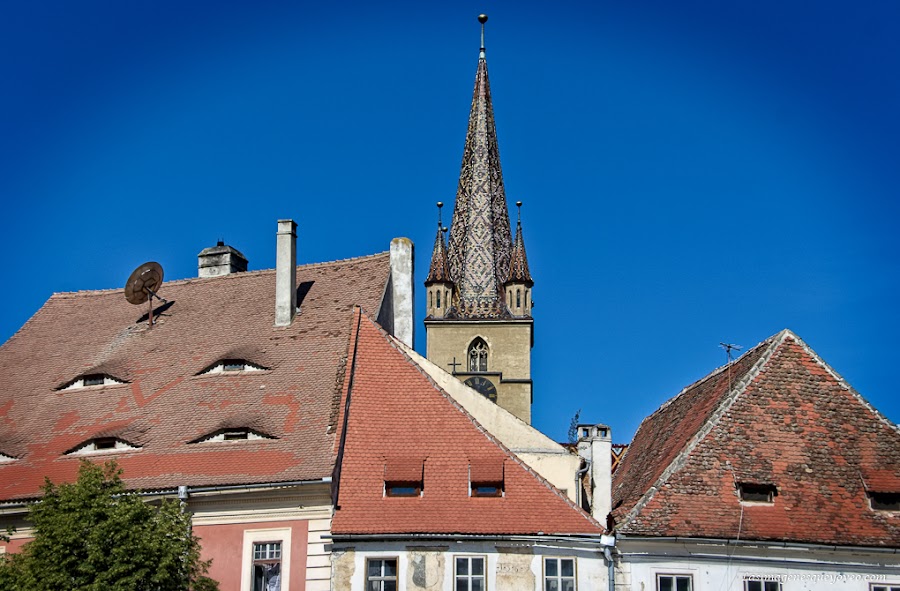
692	172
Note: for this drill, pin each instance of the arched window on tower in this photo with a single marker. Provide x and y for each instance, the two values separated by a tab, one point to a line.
518	298
478	355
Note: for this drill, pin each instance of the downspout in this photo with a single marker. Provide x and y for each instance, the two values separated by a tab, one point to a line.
578	475
610	567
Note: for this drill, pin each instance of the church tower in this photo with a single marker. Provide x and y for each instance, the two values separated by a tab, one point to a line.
478	321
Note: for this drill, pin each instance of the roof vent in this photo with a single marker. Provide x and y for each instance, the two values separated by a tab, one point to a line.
220	259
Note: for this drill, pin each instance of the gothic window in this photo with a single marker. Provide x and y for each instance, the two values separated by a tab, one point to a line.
478	355
518	298
439	300
430	299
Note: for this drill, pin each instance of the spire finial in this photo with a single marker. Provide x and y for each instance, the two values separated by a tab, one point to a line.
440	205
482	18
519	207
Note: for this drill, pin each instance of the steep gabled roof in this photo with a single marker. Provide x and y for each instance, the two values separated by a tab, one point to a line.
165	405
395	416
778	416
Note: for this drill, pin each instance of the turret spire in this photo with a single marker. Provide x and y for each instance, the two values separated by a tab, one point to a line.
439	271
518	264
480	242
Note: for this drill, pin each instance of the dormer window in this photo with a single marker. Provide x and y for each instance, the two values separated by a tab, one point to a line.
404	477
94	379
236	434
882	501
101	445
486	478
757	494
232	366
5	458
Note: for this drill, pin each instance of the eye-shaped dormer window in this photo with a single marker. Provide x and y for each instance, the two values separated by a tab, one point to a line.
5	458
231	366
93	379
102	445
236	434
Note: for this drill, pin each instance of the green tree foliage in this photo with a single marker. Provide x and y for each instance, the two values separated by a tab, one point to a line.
93	535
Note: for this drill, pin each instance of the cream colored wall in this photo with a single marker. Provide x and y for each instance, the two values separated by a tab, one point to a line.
509	343
509	566
509	352
543	455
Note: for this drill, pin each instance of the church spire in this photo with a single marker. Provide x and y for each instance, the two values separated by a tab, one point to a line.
438	271
480	245
518	265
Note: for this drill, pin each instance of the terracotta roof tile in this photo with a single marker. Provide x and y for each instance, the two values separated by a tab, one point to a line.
788	420
395	411
166	405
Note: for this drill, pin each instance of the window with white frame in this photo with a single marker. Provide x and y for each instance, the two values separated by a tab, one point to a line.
559	574
381	574
469	573
674	583
895	587
761	584
263	548
267	566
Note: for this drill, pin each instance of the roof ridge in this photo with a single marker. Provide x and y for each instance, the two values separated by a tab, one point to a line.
400	347
732	394
228	276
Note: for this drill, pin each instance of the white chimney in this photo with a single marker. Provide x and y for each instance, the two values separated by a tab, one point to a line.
286	273
220	259
595	446
402	290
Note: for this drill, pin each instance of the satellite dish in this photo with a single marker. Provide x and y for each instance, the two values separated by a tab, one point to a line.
142	285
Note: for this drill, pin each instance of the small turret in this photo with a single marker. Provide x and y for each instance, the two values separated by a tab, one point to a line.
518	285
438	284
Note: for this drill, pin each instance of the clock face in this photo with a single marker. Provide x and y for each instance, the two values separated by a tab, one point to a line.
484	386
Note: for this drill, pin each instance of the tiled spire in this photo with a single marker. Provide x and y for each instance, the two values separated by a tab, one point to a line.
480	245
439	272
518	264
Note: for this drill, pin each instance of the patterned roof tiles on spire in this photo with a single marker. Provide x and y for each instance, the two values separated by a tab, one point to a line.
480	244
439	271
518	264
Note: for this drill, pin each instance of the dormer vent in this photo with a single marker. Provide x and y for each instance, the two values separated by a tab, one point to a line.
89	380
234	434
232	366
5	458
220	259
101	445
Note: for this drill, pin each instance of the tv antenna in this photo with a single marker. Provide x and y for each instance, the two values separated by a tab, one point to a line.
142	285
728	350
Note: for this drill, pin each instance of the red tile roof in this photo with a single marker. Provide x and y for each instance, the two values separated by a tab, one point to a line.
787	420
396	415
165	405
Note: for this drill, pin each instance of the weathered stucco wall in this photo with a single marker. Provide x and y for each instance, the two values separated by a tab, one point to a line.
509	566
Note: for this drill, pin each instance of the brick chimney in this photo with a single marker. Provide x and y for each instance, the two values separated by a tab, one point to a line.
220	259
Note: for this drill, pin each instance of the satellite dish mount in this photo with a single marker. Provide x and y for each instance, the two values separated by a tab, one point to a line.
142	285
